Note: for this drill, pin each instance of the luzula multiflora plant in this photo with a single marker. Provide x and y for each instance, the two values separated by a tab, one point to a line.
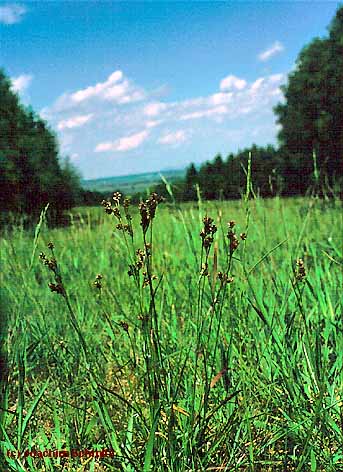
58	287
141	270
206	366
208	326
209	367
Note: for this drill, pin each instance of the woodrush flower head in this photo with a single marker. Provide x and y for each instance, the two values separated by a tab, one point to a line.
147	210
224	278
234	242
58	288
204	269
207	232
97	282
124	326
116	198
300	271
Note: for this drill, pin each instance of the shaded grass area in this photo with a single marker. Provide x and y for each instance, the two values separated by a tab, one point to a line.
182	372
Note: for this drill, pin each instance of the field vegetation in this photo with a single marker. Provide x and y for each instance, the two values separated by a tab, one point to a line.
206	336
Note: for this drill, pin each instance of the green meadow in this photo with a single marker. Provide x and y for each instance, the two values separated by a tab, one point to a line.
221	351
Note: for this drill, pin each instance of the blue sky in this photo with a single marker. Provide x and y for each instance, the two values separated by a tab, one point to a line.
132	87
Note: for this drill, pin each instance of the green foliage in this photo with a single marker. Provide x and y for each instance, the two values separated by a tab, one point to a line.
311	116
31	172
243	376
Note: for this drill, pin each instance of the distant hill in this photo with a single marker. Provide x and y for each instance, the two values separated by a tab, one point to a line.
130	184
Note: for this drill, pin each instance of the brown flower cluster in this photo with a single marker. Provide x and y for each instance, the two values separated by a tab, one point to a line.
97	282
232	237
134	269
124	325
224	278
207	233
204	270
300	271
138	265
110	209
147	210
114	209
51	264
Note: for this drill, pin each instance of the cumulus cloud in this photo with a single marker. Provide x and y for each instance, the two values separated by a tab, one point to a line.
97	90
173	138
124	144
12	13
232	82
21	83
74	122
115	89
274	49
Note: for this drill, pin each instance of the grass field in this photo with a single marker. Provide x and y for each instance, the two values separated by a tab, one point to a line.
218	355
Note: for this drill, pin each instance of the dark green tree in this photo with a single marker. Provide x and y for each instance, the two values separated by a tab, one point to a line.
191	179
31	172
311	116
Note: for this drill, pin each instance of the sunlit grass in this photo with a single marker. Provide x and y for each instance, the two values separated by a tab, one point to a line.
259	387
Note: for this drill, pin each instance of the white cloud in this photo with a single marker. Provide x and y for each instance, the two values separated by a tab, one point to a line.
21	83
74	122
108	90
270	52
276	78
154	109
123	144
173	138
220	110
220	98
116	89
12	13
153	123
232	82
96	99
255	87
